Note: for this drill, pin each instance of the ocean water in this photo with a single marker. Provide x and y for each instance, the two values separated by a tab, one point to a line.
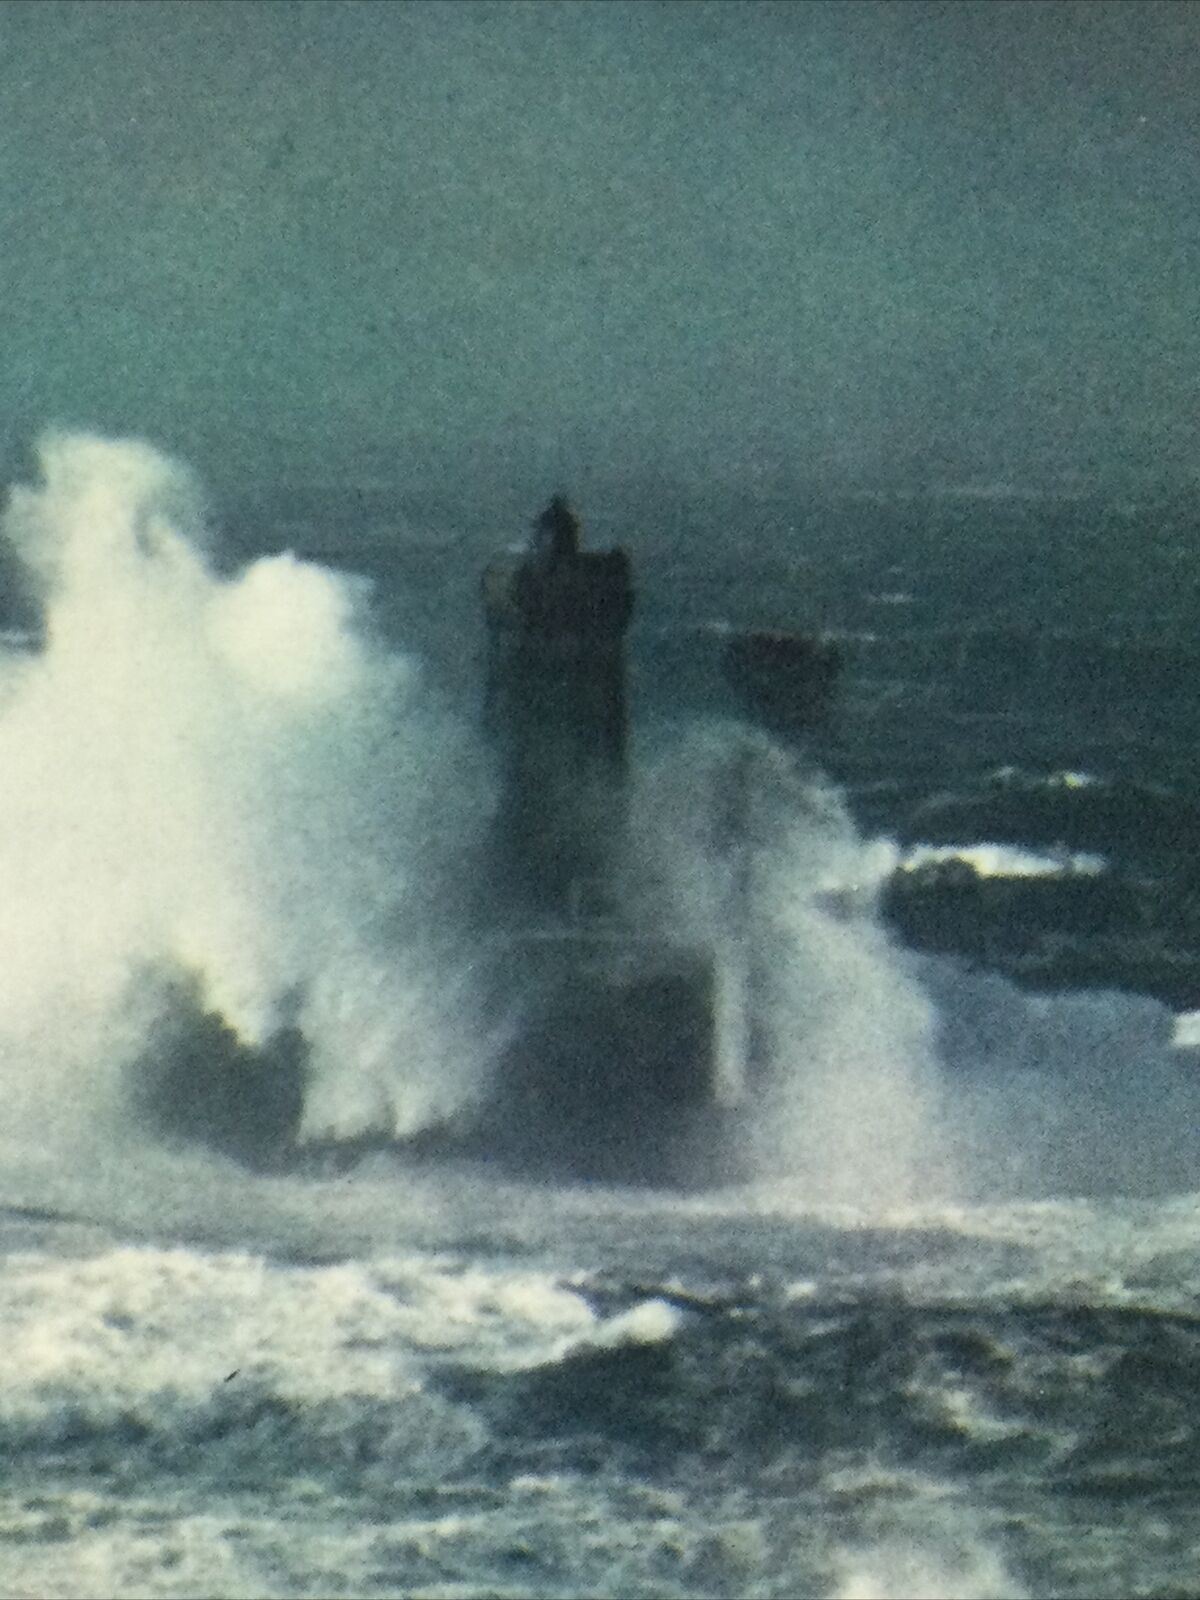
939	1337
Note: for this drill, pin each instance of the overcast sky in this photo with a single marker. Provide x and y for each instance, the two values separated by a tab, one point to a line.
852	242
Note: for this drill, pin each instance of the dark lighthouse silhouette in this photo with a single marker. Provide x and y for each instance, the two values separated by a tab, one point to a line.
555	709
613	1065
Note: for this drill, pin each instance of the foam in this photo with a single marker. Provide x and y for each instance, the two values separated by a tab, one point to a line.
76	1546
898	1569
1005	861
649	1322
167	1332
504	1319
170	1336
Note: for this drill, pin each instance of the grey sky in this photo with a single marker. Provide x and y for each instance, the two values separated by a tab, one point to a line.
757	241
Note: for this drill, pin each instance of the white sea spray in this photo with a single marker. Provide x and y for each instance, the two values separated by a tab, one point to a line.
220	777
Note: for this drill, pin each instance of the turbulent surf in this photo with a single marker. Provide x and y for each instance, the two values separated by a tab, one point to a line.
324	1274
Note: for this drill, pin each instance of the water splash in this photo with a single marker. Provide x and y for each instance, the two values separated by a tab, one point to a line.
228	778
834	1039
224	777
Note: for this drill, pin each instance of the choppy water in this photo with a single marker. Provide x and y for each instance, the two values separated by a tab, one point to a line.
942	1341
456	1388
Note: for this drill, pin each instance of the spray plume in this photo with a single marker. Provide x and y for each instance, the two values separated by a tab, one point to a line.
225	778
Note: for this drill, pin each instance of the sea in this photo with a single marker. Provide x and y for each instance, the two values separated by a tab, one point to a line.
939	1333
